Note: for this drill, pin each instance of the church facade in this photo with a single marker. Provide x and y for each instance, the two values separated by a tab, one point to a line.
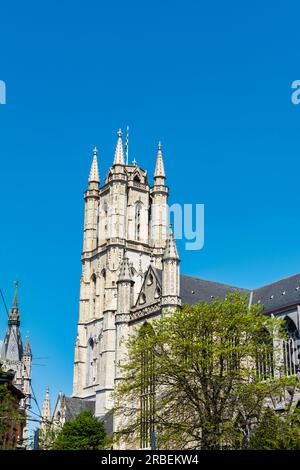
131	273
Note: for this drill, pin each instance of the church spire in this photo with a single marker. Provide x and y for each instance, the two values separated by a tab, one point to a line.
159	167
46	410
119	153
94	173
14	315
12	348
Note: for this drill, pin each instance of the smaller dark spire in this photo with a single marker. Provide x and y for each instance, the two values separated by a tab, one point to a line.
14	315
27	349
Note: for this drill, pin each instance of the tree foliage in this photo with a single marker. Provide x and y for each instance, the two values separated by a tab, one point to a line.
214	374
84	432
277	432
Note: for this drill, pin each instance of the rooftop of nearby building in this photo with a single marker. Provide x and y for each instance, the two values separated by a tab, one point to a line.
275	296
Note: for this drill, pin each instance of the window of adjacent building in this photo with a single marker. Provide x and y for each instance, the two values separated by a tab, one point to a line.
290	348
147	397
265	357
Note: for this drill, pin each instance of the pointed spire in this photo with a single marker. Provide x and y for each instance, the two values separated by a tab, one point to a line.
27	349
94	173
12	348
125	273
46	410
119	153
171	249
14	315
159	167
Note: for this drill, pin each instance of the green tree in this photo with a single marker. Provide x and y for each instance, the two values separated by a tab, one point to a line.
277	432
47	437
85	432
212	369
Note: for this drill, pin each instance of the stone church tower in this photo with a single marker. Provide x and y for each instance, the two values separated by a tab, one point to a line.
125	233
15	357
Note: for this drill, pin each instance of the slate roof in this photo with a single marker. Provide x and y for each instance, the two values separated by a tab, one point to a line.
279	295
193	289
74	406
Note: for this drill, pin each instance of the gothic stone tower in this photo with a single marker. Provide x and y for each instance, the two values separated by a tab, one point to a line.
14	357
125	231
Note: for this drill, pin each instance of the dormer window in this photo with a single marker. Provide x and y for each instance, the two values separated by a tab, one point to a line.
142	298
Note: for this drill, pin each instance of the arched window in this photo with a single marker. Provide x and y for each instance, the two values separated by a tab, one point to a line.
90	363
138	211
157	293
102	282
290	348
147	398
265	356
105	219
93	295
150	280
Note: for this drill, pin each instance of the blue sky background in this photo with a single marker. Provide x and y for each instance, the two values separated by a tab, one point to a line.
212	80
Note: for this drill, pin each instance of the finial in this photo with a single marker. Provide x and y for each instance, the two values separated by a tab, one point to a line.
159	146
120	133
95	151
134	162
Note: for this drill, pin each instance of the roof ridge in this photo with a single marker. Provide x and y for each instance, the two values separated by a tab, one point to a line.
214	282
276	282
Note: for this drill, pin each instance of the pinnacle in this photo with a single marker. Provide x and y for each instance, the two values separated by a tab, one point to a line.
94	173
119	153
159	167
171	249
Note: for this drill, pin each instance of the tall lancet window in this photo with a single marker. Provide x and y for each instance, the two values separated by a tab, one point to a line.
290	348
102	291
138	212
265	356
105	213
93	295
90	363
147	398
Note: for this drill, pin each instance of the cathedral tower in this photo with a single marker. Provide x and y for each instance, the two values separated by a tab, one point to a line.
125	227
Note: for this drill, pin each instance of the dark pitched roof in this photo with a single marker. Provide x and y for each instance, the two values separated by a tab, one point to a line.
193	289
279	294
74	406
275	296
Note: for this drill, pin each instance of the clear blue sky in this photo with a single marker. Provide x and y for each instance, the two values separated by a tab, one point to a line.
210	79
